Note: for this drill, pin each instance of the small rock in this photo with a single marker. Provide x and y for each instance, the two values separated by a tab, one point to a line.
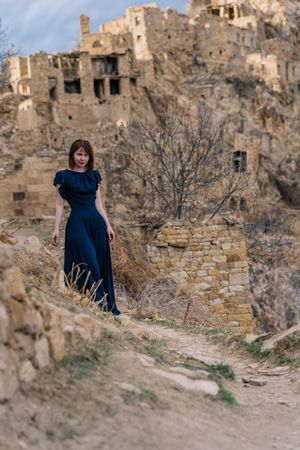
42	356
129	387
5	257
23	345
55	334
146	360
8	375
56	340
14	283
209	387
145	405
254	381
284	403
17	313
275	371
4	325
90	325
32	244
297	388
194	374
26	372
33	322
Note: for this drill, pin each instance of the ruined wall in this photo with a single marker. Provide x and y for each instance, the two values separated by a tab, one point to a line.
211	262
217	40
29	191
33	331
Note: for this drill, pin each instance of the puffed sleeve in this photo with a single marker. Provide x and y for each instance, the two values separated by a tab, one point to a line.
60	178
98	178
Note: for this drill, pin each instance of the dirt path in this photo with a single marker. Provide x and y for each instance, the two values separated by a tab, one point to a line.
79	405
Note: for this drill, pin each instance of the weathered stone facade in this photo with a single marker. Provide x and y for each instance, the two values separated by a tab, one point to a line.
211	262
29	192
112	75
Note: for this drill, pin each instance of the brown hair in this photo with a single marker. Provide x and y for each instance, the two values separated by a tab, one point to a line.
80	143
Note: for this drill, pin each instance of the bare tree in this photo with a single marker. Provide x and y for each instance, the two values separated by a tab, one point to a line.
6	50
179	157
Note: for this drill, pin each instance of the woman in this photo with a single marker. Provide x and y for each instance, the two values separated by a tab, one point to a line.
87	262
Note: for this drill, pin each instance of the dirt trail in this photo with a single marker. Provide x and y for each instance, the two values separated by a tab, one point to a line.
78	407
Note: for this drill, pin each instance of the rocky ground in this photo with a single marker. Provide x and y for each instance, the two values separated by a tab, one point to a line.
124	398
139	383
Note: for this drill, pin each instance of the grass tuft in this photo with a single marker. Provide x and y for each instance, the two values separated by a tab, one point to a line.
156	349
224	395
224	370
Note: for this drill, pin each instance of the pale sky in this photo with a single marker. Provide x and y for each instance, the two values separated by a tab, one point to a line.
53	25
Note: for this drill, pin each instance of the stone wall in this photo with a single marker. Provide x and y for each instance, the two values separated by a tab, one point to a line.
33	331
211	262
28	192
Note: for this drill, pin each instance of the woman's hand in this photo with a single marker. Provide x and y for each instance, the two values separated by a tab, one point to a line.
111	233
55	238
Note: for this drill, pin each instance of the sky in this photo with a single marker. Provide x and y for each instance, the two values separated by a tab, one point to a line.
53	25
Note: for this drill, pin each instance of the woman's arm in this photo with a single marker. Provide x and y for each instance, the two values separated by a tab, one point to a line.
58	216
102	211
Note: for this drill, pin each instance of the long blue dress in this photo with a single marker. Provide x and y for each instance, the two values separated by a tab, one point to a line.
87	248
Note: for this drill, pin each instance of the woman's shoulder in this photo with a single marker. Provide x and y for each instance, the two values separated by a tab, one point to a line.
97	175
60	176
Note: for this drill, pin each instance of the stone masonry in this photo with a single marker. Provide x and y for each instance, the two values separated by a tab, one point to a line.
210	261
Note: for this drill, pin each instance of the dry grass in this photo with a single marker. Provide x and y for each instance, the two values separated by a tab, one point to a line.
163	298
131	271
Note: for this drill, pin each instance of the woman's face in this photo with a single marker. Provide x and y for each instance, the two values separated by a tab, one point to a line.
81	158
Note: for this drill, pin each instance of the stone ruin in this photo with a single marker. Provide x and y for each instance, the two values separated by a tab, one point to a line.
229	54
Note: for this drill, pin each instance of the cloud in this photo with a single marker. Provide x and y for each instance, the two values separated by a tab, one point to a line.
51	26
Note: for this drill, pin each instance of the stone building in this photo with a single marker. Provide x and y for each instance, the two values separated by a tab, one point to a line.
79	87
114	71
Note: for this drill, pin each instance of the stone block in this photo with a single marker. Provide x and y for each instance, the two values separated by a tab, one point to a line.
42	354
233	258
90	325
247	322
217	309
220	258
5	257
54	333
8	374
213	272
14	283
201	273
216	301
23	345
203	286
239	278
5	329
56	340
16	312
237	288
239	264
26	372
208	265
